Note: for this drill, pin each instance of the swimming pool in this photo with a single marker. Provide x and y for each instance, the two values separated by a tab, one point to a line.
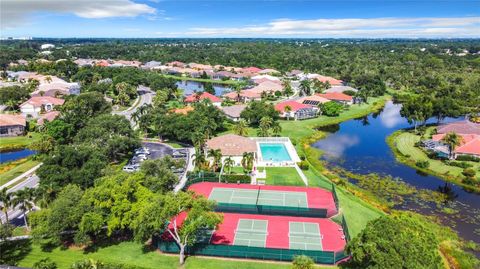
276	152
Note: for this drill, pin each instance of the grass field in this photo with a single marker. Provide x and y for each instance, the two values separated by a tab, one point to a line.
18	142
130	253
11	170
403	145
285	176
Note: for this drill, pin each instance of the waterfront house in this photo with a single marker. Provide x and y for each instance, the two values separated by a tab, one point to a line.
294	110
337	97
12	125
202	96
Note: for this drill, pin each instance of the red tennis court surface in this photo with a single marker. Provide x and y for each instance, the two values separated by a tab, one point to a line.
278	230
316	197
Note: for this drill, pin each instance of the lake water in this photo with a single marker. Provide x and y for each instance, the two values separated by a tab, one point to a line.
359	146
190	87
15	155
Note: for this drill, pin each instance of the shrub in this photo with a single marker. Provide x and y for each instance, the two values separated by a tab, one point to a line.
302	262
304	165
349	92
422	164
234	178
458	164
468	158
469	172
45	264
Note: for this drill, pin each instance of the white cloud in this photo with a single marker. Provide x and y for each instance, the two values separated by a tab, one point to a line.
371	27
15	12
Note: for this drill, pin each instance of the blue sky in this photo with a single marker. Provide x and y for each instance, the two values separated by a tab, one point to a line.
247	18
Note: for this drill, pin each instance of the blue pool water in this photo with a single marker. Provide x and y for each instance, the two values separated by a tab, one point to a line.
276	152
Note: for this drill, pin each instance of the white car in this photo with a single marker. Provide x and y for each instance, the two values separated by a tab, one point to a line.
129	169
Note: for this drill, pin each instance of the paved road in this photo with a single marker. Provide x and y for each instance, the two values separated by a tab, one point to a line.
16	216
146	97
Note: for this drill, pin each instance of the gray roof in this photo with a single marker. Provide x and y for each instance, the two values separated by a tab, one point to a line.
234	111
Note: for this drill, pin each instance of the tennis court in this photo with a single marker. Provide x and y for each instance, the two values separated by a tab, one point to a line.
251	232
305	236
259	197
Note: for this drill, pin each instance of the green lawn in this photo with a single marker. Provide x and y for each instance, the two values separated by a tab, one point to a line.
130	253
18	142
14	169
286	176
403	144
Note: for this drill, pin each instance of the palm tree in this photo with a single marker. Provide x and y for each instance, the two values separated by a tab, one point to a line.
228	164
287	87
216	155
199	159
44	194
23	199
10	105
238	91
241	127
247	161
452	140
48	79
288	109
264	126
6	202
276	128
305	87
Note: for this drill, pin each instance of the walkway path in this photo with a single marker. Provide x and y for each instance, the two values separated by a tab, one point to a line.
190	167
302	175
20	177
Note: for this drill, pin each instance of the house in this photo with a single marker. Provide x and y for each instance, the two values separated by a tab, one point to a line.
268	77
151	65
12	125
204	95
34	106
337	97
200	66
102	63
244	96
298	111
313	100
176	64
48	117
57	89
268	71
84	62
233	112
340	89
461	127
469	146
251	69
233	146
222	75
325	79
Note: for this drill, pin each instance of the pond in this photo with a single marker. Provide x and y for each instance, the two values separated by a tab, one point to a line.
359	146
10	156
190	87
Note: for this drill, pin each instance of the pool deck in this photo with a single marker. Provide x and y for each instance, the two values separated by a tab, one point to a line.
276	140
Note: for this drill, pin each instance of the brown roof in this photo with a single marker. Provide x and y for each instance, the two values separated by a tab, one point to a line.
37	101
234	111
232	145
49	116
462	127
9	120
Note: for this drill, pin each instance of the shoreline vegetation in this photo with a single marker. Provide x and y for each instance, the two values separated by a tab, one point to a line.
18	142
403	141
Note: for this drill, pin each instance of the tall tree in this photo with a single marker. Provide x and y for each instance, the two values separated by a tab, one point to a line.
24	200
241	128
452	140
6	202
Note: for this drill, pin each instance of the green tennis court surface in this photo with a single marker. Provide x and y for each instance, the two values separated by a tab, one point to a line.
305	236
260	197
251	232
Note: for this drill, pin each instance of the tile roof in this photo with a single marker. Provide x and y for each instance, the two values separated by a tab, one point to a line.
340	89
336	96
332	81
470	144
232	145
183	110
200	96
234	111
49	116
12	119
313	98
461	127
38	101
295	106
252	69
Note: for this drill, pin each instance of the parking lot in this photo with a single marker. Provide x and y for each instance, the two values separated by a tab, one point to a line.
153	151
